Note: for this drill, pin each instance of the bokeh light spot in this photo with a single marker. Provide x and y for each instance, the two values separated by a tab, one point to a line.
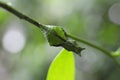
114	13
13	41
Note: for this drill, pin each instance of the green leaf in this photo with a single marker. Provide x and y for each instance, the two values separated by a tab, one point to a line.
62	67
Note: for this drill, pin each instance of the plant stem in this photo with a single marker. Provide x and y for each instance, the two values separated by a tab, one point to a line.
44	28
22	16
90	44
94	46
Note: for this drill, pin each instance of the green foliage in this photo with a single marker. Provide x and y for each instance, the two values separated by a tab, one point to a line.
62	67
110	34
116	53
3	16
88	20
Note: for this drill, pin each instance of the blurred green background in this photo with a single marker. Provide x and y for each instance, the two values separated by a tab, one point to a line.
26	55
